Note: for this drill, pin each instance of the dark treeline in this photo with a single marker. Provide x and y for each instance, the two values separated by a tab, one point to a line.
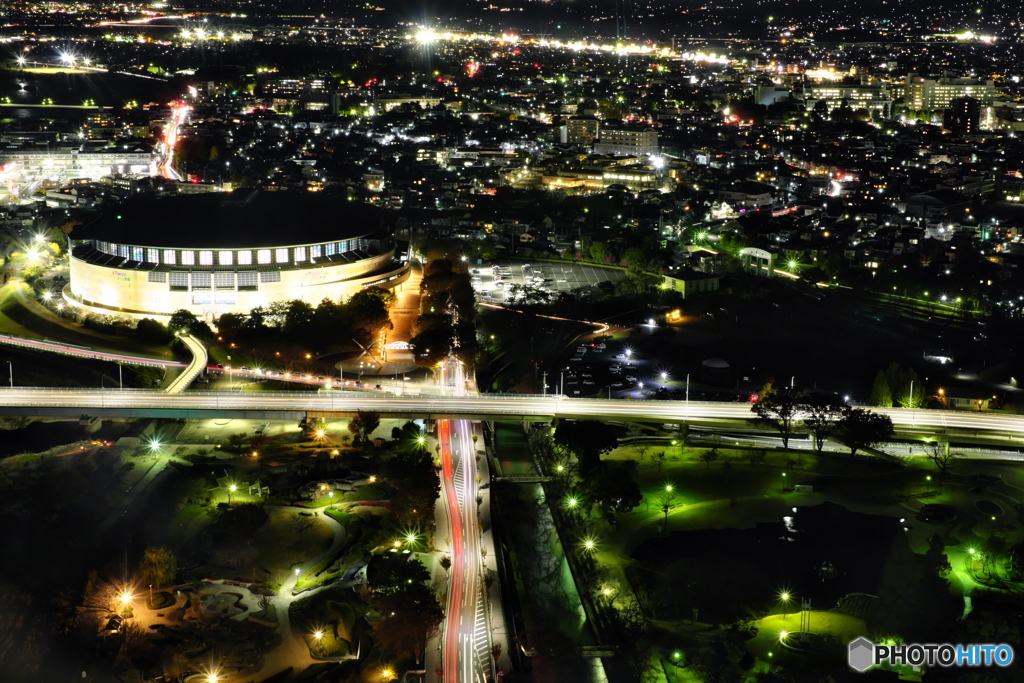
447	307
360	319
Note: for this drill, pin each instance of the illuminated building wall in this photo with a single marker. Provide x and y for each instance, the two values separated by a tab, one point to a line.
209	291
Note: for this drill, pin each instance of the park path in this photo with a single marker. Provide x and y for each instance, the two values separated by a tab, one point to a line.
293	651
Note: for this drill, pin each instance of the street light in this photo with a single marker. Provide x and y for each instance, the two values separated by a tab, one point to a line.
784	598
231	491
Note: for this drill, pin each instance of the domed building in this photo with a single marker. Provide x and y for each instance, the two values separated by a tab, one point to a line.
218	253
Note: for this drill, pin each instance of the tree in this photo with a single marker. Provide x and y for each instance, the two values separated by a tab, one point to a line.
881	394
939	453
182	320
709	456
859	428
756	456
410	614
588	440
157	567
821	413
363	424
149	330
614	488
659	458
302	523
777	409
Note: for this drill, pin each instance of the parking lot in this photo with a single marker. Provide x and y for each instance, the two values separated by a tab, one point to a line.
492	281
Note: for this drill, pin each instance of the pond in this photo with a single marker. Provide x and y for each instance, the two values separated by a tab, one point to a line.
819	553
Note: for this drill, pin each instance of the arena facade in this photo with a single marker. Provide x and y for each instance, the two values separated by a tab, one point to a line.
228	252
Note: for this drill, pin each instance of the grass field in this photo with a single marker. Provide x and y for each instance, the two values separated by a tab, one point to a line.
280	546
18	320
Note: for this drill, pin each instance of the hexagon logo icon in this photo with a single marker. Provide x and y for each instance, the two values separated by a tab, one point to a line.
861	655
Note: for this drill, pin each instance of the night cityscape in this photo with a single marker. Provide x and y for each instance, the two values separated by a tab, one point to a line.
511	341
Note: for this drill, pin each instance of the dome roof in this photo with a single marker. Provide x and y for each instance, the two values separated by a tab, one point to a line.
716	363
239	220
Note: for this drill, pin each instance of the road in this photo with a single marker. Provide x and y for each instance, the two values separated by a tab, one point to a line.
466	645
179	114
84	352
139	401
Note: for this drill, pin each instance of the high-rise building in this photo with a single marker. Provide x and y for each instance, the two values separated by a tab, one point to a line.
963	116
626	142
580	130
935	95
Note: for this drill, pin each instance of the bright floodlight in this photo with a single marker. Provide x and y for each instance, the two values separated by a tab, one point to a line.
572	502
411	538
792	264
125	597
233	487
657	162
426	35
47	295
154	444
783	635
669	487
67	58
589	544
21	60
318	634
320	433
784	597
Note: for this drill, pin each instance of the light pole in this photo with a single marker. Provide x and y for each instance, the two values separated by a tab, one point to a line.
687	387
10	368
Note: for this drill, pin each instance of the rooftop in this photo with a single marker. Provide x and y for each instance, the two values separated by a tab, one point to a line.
240	220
